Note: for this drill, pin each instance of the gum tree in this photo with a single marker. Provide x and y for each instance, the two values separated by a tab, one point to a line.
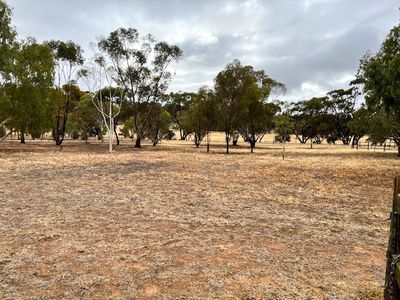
68	59
379	75
28	86
241	93
7	53
106	99
142	68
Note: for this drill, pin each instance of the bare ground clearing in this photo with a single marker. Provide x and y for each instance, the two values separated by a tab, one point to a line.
176	222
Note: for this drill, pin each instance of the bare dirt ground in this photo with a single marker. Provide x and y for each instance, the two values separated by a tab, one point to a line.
174	222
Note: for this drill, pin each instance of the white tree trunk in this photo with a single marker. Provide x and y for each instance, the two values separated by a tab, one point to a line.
111	129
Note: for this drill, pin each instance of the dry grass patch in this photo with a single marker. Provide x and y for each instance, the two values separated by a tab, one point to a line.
176	222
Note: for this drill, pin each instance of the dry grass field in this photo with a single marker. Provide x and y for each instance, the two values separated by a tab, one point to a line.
175	222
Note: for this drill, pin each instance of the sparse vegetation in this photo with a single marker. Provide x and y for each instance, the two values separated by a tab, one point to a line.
193	223
175	221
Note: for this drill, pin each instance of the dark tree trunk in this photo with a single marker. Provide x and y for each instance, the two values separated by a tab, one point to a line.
60	124
227	143
182	134
116	134
197	139
22	137
235	138
252	144
137	142
398	149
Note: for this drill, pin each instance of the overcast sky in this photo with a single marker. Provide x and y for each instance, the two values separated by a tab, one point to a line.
312	46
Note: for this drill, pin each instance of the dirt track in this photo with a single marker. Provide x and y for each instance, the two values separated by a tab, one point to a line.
176	222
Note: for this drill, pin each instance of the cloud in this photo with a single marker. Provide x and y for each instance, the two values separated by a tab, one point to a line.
312	46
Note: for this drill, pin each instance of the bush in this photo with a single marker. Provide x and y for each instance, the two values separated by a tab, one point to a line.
84	136
75	135
280	138
170	135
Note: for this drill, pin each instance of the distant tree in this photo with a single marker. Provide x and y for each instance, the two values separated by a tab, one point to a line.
236	87
341	104
382	126
283	129
85	120
235	137
159	124
229	85
201	115
142	69
105	98
379	74
256	118
176	104
309	118
69	58
359	125
128	128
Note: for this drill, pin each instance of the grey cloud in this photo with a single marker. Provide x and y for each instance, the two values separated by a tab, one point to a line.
311	45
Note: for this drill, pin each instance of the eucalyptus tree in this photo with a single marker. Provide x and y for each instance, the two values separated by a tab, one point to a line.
283	128
230	85
142	69
342	105
159	124
28	87
85	121
201	116
310	118
7	40
68	59
106	98
379	75
360	124
7	55
381	125
241	94
176	104
257	117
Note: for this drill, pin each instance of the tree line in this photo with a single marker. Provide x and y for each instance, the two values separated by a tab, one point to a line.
49	87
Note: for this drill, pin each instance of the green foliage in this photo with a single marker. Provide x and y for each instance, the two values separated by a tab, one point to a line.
256	118
68	57
128	128
27	102
341	106
7	40
141	67
241	94
201	115
68	52
379	76
176	104
309	117
85	121
159	124
360	124
283	128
